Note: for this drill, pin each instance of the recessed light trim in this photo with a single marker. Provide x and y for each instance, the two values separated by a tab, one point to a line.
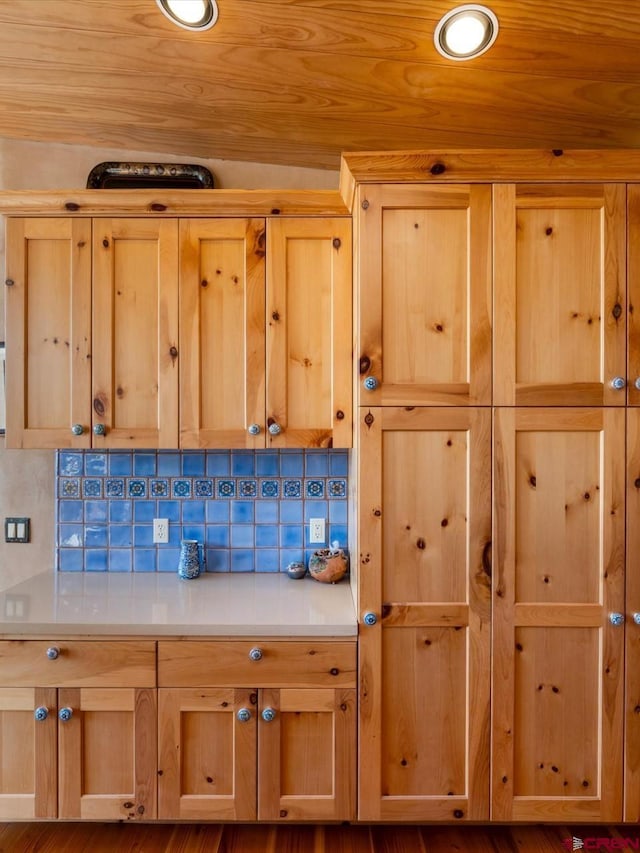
190	14
466	32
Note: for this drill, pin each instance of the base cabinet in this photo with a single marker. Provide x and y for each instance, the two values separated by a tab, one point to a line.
257	752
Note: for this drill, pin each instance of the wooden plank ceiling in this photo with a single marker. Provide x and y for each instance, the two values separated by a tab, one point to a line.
299	81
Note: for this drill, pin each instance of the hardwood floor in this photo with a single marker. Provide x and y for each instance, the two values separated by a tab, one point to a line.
215	838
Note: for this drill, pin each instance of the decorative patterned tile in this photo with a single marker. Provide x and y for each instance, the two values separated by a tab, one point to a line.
247	488
337	488
180	488
269	488
314	488
203	488
159	488
292	489
69	487
114	487
91	488
226	488
136	488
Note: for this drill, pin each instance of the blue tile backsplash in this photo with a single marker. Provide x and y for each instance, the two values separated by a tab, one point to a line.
251	509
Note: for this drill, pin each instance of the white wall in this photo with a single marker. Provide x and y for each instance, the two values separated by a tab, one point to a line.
27	476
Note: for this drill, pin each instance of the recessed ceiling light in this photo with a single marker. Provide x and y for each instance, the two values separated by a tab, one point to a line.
190	14
466	32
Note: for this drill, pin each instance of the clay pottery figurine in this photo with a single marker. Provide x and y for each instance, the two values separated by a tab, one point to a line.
328	565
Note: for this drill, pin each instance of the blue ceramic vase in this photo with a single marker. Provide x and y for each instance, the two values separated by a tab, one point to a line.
189	564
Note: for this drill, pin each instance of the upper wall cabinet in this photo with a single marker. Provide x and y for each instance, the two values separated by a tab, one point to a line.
425	294
92	333
560	295
265	345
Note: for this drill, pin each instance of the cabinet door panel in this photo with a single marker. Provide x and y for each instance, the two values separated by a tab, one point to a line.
424	667
207	756
135	332
559	573
425	294
309	335
107	754
222	337
632	648
560	294
28	776
633	279
48	333
307	755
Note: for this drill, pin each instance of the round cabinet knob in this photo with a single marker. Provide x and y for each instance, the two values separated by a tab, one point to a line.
370	383
99	429
275	429
616	618
637	383
618	383
53	652
255	654
268	715
77	429
369	618
65	714
254	429
244	715
41	713
636	618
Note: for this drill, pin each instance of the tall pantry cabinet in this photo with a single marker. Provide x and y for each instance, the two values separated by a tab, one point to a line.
498	451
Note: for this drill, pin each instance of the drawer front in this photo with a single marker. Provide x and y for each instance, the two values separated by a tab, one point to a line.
77	663
257	663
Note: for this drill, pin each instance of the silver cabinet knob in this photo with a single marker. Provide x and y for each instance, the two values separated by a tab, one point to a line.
41	713
369	618
637	383
254	429
268	715
53	652
370	383
244	715
65	714
636	618
618	383
275	429
99	429
77	429
616	618
255	654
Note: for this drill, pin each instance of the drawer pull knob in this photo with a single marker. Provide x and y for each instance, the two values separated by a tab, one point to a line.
275	429
637	383
268	715
99	429
255	654
244	715
41	713
370	383
254	429
369	618
77	429
636	618
53	652
65	714
618	383
616	618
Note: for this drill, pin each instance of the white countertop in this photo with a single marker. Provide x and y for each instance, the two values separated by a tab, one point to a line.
152	604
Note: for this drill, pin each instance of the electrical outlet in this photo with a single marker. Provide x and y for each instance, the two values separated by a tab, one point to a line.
316	530
160	531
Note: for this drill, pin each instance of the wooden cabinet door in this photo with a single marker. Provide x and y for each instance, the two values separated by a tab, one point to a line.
207	754
28	770
307	754
424	485
633	284
424	273
632	646
309	335
560	294
135	332
558	702
107	753
222	332
48	332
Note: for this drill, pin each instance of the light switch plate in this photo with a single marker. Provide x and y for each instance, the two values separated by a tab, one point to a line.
17	529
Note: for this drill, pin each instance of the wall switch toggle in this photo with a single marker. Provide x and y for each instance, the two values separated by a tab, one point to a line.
316	531
160	531
17	530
